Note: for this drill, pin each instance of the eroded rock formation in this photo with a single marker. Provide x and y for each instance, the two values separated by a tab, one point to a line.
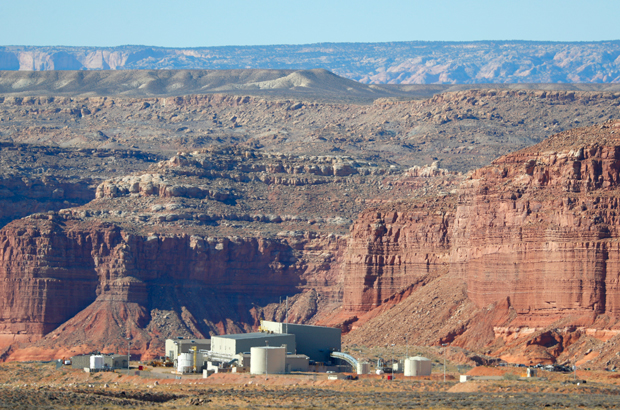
518	259
207	242
533	237
55	268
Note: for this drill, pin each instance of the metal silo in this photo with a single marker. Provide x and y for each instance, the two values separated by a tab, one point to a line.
185	362
267	360
96	362
417	366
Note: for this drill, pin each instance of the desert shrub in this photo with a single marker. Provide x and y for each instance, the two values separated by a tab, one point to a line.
510	376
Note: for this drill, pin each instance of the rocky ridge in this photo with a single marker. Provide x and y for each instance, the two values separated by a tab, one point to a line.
44	178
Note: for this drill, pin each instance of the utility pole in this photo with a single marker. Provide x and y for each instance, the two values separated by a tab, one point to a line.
286	331
266	360
128	354
407	343
574	372
444	362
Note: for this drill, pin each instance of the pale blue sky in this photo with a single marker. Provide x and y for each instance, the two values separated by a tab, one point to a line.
195	23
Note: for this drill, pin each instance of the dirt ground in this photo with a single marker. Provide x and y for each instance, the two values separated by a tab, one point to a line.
40	385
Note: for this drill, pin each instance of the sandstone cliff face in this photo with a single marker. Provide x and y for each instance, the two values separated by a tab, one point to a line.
533	237
391	251
60	271
540	227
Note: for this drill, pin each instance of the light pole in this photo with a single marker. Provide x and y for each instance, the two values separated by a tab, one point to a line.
407	343
266	360
444	361
128	354
575	372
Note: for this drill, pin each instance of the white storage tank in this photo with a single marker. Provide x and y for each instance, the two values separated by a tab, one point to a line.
267	360
96	362
185	362
363	368
418	366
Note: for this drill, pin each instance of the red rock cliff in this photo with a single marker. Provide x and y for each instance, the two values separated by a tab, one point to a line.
390	250
539	227
95	284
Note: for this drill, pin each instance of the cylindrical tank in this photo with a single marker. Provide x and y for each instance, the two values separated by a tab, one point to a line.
185	362
417	366
363	368
267	360
96	362
409	367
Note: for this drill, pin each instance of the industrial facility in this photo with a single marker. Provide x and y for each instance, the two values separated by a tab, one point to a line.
99	362
276	348
174	347
280	348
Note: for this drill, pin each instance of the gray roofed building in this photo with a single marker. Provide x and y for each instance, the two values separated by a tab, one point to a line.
174	347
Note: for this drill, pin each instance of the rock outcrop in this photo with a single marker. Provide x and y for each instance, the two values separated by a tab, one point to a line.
390	251
38	179
541	227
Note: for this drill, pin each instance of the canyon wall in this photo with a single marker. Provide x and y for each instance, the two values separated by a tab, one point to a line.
541	229
390	251
537	228
55	267
524	243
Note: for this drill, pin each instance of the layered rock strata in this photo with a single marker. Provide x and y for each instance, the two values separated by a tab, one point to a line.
204	243
41	178
55	267
540	227
535	232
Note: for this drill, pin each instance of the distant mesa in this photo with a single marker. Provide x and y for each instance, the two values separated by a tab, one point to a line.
313	84
413	62
317	82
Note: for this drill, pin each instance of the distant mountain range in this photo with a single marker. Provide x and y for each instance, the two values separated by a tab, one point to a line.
370	63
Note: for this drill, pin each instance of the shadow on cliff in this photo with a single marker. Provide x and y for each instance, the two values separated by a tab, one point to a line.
108	285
